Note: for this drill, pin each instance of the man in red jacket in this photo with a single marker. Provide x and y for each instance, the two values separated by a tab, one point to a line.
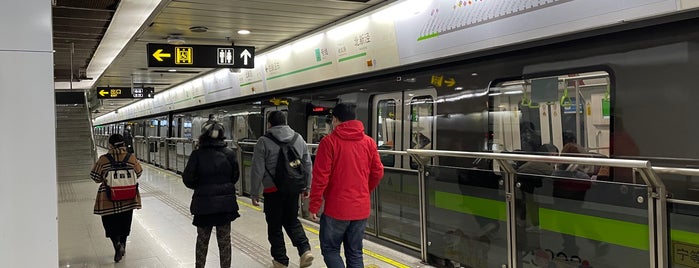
347	168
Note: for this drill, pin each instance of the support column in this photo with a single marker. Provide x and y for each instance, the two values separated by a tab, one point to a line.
28	192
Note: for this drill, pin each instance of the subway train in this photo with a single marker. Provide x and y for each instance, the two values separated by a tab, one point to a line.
627	92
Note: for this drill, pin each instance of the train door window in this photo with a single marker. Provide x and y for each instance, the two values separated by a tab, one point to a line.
242	129
421	126
319	120
551	110
187	127
319	127
386	127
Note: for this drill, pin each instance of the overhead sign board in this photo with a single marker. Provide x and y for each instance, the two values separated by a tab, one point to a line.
125	92
200	56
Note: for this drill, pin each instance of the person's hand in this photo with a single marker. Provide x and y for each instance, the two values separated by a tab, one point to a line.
314	217
305	194
255	201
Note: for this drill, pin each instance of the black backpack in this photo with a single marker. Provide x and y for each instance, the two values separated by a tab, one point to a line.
290	173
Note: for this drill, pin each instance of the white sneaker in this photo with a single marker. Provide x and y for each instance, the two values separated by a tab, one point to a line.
276	264
306	259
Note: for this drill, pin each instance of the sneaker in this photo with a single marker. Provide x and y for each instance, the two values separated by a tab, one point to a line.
276	264
306	259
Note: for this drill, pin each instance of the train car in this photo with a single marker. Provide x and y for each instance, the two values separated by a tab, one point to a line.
622	92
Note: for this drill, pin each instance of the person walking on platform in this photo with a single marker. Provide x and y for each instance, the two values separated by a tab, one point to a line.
212	172
347	168
116	215
128	139
281	200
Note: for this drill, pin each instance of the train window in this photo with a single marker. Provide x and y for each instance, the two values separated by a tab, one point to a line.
319	127
421	124
386	129
526	113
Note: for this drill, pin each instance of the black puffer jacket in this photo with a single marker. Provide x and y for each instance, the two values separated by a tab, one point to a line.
212	172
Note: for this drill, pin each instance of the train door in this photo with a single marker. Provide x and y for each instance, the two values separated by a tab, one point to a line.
319	122
401	121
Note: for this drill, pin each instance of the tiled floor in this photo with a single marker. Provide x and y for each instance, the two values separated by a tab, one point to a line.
162	234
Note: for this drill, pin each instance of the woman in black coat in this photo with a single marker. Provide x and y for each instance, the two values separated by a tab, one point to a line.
212	172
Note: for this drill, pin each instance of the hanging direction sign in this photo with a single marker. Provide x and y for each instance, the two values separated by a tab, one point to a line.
125	92
200	56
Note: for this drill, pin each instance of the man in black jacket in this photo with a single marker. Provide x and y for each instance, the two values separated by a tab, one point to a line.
212	172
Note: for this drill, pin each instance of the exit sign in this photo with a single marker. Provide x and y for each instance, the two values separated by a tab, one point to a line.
125	92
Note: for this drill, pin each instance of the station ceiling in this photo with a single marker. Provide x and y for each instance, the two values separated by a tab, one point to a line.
80	25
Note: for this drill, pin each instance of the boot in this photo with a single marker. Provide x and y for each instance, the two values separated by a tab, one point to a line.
118	249
123	245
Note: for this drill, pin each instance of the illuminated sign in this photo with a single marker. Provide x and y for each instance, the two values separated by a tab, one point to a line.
439	80
200	56
318	110
125	92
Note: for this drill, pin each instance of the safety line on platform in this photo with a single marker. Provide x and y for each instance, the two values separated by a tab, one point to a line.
310	229
367	252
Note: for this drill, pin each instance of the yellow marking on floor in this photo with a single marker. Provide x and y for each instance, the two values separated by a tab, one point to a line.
368	252
384	259
312	230
249	205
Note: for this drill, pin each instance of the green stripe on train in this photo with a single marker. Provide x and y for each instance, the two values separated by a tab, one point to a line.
617	232
483	207
684	236
628	234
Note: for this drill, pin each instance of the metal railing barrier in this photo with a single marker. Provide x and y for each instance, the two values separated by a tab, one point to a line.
657	216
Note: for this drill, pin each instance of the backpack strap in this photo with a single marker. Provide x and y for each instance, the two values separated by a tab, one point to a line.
271	137
293	140
126	159
111	159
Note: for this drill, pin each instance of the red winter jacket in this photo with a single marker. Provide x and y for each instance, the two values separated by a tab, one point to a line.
346	169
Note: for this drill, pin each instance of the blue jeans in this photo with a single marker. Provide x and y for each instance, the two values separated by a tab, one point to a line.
335	232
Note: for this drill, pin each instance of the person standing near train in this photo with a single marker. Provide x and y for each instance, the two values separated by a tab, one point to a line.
347	168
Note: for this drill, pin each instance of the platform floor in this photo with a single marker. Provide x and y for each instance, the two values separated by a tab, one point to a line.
162	234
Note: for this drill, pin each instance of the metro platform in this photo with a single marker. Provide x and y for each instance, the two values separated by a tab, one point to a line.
162	234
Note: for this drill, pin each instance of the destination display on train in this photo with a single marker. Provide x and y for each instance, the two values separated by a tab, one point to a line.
200	56
125	92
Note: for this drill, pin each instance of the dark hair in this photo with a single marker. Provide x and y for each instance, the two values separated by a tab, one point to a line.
571	148
212	129
344	112
548	148
276	118
116	140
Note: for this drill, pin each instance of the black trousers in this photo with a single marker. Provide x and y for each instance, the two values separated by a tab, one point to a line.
117	225
281	210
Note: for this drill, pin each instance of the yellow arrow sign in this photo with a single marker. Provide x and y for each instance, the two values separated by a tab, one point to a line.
158	55
103	92
450	82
